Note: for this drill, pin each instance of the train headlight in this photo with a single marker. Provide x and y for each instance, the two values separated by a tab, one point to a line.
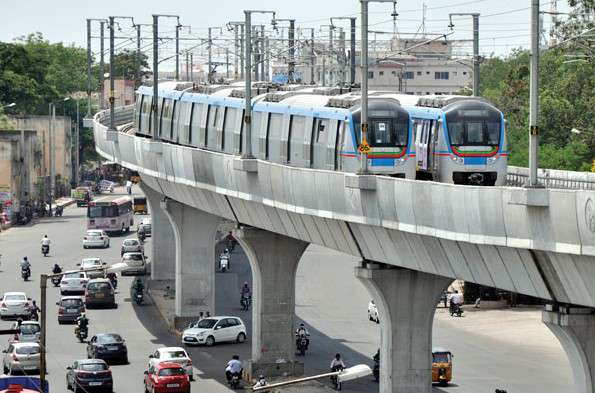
492	160
457	159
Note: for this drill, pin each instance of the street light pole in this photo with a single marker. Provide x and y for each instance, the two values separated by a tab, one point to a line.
112	98
534	96
89	60
102	64
291	49
178	52
210	61
476	70
43	321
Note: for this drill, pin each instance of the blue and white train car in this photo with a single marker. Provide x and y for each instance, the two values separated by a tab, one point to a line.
458	139
300	128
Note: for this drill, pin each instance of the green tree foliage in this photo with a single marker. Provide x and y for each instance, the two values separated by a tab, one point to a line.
125	63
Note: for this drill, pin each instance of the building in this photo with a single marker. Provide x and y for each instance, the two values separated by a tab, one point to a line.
123	92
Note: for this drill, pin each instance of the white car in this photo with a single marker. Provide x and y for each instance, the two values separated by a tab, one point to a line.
73	281
95	238
15	304
22	357
92	263
174	355
373	312
30	331
135	263
131	245
210	330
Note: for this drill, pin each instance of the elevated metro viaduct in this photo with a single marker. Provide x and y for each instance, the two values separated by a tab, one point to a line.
413	238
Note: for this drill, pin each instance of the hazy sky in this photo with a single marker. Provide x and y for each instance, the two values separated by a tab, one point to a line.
504	23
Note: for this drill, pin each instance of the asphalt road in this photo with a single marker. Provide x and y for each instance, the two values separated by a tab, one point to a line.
511	350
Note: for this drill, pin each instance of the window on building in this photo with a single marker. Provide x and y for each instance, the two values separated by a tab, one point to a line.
370	74
427	72
418	73
380	73
408	75
464	72
394	73
441	75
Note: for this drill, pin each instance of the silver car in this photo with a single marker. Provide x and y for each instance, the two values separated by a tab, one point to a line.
92	263
135	263
73	281
22	357
14	304
131	245
30	331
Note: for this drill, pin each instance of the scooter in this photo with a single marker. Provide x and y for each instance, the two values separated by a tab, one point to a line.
234	382
245	302
302	344
56	280
223	264
456	310
25	273
113	279
81	334
45	250
334	379
138	297
59	211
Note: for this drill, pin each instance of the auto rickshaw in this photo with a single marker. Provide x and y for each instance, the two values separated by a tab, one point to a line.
140	205
441	366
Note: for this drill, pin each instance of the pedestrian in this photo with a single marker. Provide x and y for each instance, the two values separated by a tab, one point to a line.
129	186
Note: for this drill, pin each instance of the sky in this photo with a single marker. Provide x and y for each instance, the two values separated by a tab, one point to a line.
504	24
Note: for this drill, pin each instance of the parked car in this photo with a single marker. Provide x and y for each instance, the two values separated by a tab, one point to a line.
373	312
92	263
95	238
15	304
70	308
108	346
135	263
73	281
172	354
131	245
214	330
88	374
100	292
167	377
30	331
22	357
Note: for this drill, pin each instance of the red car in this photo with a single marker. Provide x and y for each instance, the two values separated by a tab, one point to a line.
167	377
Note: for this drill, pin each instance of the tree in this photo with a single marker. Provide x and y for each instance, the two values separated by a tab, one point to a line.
125	63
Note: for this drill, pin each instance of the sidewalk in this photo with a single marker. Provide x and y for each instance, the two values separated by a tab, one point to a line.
64	201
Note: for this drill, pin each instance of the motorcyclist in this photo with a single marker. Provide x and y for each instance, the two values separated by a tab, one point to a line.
138	286
34	311
82	322
456	301
57	269
300	332
337	363
45	241
246	293
25	265
234	366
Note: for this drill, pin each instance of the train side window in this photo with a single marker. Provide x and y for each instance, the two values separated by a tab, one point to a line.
320	130
274	137
296	140
138	107
190	122
197	110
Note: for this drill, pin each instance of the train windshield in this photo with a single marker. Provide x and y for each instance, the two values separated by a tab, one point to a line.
388	124
473	123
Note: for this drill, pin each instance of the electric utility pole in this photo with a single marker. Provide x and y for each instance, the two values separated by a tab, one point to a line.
291	49
352	21
476	59
102	64
534	96
112	59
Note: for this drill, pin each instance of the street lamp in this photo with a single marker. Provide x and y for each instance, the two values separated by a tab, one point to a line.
248	80
12	104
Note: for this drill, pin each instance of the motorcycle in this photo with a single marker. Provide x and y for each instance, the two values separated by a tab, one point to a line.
25	273
33	315
246	302
302	344
113	279
56	280
334	379
45	250
234	381
223	264
81	333
59	211
456	310
138	297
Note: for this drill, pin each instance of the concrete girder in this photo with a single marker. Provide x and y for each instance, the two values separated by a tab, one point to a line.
406	301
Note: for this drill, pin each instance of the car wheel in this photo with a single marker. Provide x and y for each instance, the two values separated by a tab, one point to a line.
125	359
241	338
210	341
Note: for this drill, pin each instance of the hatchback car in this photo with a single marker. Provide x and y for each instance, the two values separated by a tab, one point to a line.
22	357
30	331
15	304
131	245
89	374
95	238
373	312
167	377
172	354
73	282
93	267
100	292
215	329
136	264
70	308
107	346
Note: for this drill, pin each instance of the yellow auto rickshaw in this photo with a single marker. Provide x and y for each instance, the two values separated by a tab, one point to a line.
140	205
441	366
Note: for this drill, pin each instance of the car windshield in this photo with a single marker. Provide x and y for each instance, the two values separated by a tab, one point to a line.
130	242
91	262
102	211
98	286
166	372
206	323
175	354
71	302
440	357
28	350
134	257
109	339
94	233
74	275
93	366
15	297
30	328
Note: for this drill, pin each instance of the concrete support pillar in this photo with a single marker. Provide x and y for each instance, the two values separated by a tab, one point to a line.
406	302
575	328
274	259
163	251
194	237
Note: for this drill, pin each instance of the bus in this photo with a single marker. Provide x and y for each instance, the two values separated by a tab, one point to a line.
111	213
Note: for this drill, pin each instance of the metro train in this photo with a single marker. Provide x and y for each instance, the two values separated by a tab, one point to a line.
320	128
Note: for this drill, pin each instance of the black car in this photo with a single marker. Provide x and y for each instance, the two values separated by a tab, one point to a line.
108	346
89	374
